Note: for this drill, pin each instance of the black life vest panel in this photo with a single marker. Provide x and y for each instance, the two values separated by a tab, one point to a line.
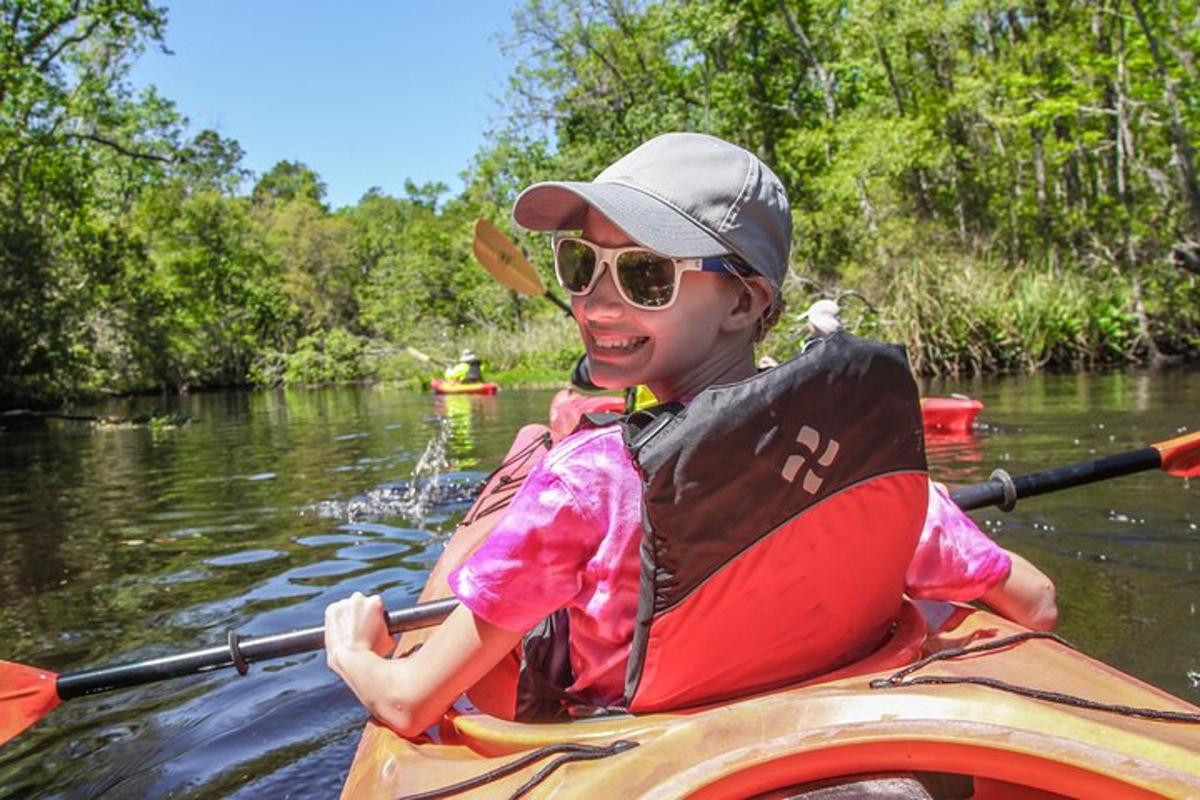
780	515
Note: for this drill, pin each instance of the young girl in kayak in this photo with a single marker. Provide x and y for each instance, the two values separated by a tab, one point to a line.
672	316
673	297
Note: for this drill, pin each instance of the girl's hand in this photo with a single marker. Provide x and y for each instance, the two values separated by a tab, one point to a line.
356	624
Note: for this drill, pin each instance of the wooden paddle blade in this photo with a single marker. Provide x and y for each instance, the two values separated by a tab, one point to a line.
1181	455
500	256
26	695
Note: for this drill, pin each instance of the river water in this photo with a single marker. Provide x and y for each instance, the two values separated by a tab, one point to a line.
123	543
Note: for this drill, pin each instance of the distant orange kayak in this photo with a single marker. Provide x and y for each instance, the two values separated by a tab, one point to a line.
449	387
955	414
946	416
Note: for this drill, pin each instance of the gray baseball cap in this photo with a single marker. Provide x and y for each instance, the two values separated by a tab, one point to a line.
686	195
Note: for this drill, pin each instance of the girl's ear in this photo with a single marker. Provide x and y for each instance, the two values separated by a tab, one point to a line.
754	297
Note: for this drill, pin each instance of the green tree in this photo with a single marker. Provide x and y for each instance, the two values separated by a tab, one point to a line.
287	181
75	145
208	299
310	253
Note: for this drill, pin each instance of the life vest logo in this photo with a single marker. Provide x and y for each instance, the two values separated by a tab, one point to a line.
810	439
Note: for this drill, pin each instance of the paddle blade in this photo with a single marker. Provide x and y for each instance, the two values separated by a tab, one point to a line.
500	256
1181	455
26	695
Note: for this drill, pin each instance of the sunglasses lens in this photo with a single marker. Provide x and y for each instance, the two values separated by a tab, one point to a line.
576	264
647	279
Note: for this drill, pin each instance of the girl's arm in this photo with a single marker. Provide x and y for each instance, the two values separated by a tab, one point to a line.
410	694
1026	596
954	560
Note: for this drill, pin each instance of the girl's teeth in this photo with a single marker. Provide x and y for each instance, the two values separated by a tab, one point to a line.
620	344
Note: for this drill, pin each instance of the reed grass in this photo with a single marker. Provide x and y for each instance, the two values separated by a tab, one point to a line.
972	317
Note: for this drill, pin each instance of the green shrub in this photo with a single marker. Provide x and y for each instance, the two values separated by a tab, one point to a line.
327	357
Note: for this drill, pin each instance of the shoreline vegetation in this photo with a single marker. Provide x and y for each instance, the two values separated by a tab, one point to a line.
999	186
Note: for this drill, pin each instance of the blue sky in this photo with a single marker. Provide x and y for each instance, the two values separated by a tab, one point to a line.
366	92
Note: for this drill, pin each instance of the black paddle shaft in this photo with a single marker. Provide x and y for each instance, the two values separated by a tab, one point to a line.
237	653
553	298
1003	490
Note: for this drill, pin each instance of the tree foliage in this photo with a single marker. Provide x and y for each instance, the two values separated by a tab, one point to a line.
1030	163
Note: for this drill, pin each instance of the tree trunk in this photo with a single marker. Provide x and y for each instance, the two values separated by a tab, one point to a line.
824	77
1145	337
886	61
1039	181
1124	154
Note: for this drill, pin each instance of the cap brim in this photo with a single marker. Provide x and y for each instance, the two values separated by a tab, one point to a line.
647	220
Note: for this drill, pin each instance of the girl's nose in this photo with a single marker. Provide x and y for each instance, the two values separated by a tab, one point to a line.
603	301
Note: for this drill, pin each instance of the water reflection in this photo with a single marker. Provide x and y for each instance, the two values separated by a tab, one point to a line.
462	414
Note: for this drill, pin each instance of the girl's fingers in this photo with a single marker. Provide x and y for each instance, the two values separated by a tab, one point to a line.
359	623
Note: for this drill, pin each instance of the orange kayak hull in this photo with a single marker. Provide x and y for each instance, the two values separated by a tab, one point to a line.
838	726
949	414
825	729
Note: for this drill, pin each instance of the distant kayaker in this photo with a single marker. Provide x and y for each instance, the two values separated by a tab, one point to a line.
674	277
467	369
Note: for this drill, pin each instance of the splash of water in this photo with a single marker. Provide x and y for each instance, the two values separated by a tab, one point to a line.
430	487
427	475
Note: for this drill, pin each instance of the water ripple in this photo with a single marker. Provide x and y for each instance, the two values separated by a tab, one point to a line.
244	557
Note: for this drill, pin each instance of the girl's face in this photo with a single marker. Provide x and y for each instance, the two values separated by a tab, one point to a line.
696	342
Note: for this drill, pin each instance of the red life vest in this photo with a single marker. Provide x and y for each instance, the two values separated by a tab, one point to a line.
780	516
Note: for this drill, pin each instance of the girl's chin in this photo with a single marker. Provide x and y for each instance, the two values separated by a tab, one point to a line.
603	379
618	368
609	376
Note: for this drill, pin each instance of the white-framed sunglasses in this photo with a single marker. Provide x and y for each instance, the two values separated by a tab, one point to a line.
644	278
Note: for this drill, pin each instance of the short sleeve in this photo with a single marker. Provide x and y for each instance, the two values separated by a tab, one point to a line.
954	560
534	560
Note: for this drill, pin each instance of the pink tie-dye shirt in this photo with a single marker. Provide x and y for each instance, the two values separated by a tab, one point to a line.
571	539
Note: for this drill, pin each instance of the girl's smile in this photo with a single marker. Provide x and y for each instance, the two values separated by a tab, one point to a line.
619	344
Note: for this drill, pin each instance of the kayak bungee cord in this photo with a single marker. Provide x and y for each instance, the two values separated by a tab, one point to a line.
570	752
507	484
900	680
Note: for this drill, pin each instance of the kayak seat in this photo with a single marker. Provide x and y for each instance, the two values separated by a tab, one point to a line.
900	786
493	736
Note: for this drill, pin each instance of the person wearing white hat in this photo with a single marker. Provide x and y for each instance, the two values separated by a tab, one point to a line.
467	370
